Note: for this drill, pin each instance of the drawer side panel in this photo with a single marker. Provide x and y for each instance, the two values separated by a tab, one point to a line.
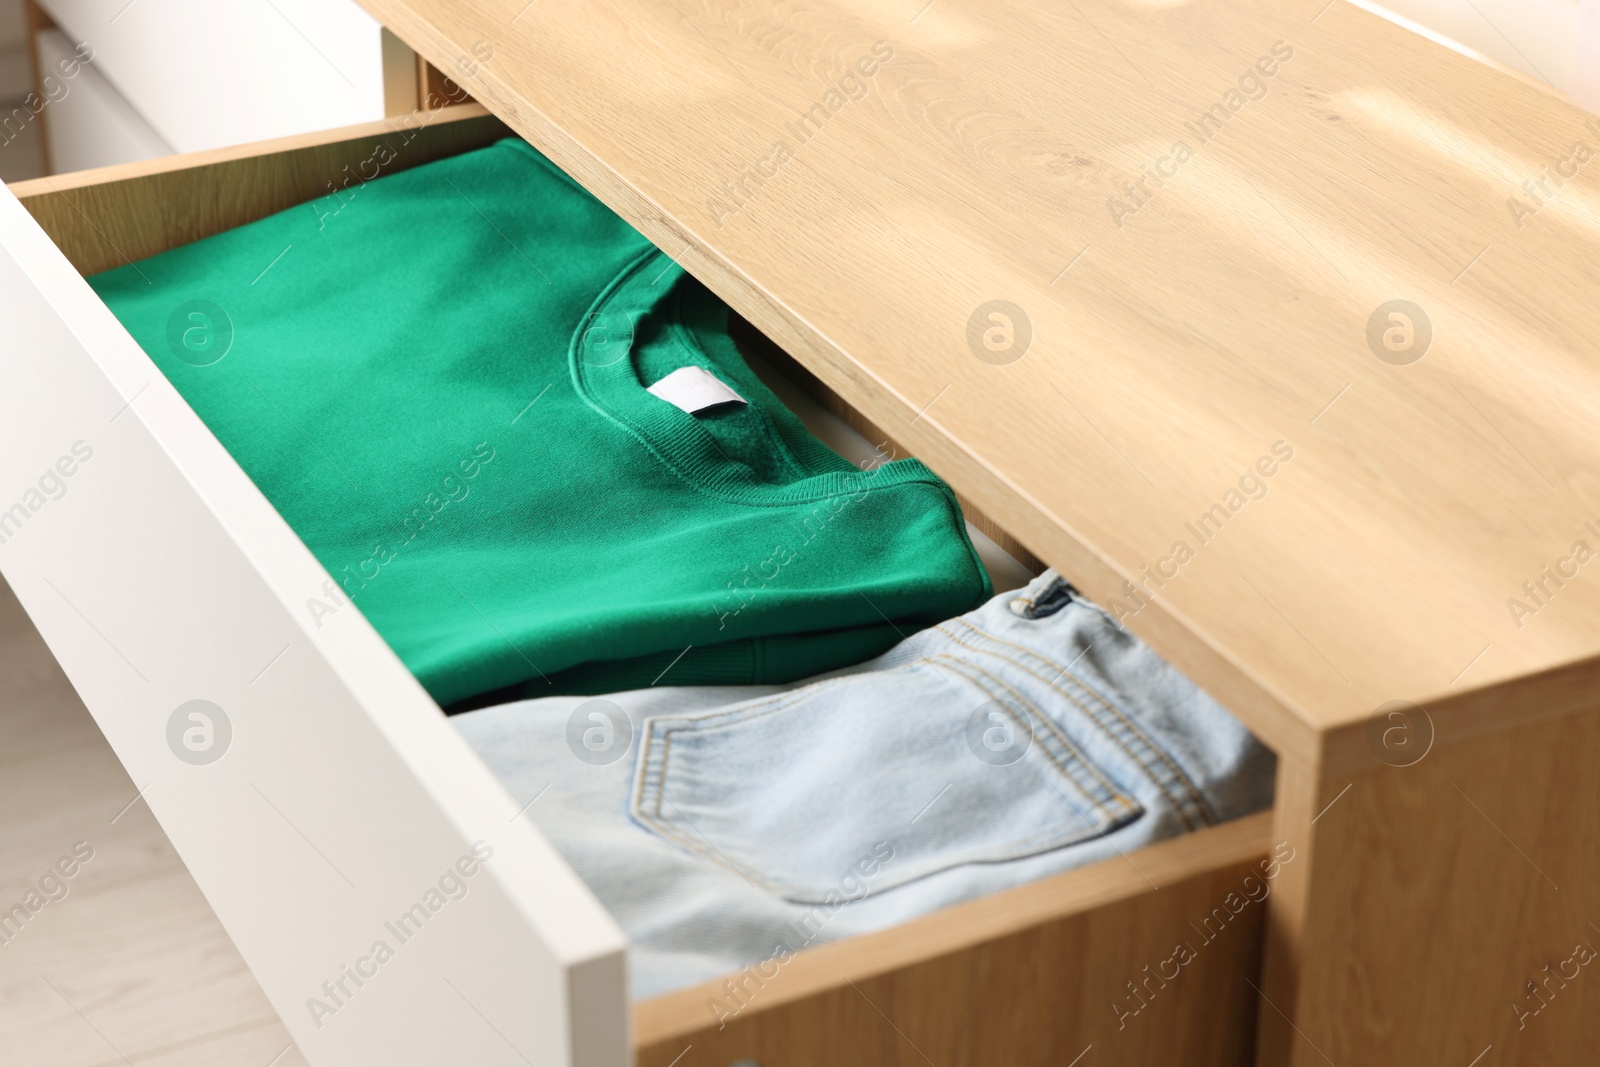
322	802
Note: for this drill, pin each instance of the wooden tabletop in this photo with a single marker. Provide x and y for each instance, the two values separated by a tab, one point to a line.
1204	300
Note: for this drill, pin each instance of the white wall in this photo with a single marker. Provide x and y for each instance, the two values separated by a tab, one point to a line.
1534	36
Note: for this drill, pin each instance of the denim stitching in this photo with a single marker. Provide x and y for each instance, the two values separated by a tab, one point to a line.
655	761
1195	801
1105	728
656	770
1177	772
669	831
1045	841
1109	788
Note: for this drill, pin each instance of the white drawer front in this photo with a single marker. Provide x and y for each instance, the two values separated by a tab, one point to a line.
159	576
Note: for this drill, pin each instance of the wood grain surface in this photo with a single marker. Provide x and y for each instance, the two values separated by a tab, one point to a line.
109	216
1445	910
1031	977
962	152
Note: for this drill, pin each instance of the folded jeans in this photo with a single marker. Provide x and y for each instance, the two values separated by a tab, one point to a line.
725	826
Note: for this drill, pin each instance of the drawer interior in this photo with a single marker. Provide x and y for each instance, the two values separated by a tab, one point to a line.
1172	930
109	216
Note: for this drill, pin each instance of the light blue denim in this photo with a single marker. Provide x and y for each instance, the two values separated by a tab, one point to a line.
732	826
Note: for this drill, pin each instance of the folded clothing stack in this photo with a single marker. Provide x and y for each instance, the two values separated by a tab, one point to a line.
730	827
522	441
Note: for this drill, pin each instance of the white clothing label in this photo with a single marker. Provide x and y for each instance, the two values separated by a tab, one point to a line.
694	389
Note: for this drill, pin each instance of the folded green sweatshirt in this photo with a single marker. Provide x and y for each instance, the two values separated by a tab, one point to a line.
439	378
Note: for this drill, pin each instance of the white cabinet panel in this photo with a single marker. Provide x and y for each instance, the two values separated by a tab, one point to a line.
89	124
209	73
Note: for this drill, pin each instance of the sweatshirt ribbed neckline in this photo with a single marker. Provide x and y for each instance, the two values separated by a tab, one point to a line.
602	360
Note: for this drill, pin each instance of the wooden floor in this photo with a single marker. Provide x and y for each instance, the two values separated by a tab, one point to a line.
130	966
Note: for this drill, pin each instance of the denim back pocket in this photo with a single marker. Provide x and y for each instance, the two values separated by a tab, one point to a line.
858	784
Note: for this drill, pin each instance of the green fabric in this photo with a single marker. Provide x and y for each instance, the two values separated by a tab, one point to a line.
438	379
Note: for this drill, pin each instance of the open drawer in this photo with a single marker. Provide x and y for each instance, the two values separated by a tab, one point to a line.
330	795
